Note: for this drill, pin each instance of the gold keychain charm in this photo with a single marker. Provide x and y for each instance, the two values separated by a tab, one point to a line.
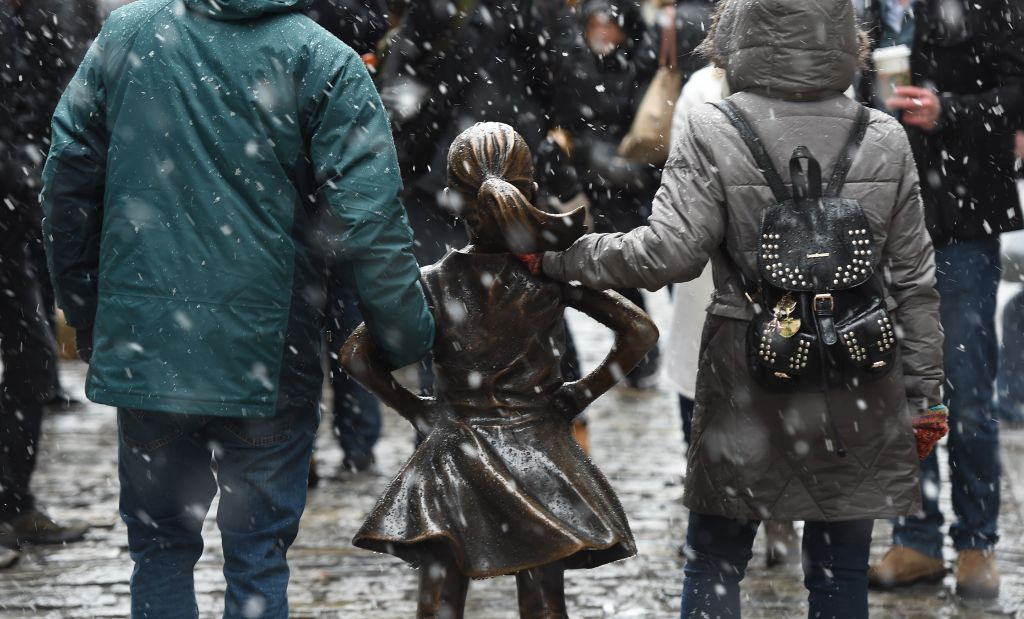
788	327
785	324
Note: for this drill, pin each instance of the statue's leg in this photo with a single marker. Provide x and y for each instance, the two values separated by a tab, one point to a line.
443	591
542	592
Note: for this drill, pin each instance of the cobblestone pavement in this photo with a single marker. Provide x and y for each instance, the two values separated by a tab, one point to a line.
635	439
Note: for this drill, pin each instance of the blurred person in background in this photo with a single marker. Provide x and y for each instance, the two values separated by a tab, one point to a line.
43	42
702	82
190	220
602	72
360	24
452	64
65	30
692	20
887	23
690	298
1010	380
961	113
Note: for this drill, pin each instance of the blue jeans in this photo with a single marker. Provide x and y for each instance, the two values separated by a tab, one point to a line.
835	561
968	277
357	420
1010	383
171	466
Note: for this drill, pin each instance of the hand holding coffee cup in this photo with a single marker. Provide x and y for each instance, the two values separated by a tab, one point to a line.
920	106
892	69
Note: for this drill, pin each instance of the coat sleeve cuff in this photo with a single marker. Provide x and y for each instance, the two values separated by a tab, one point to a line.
551	266
916	405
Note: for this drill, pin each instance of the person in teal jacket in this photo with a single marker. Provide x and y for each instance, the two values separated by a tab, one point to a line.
214	163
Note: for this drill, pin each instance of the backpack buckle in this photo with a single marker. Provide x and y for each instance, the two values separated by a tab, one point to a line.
824	304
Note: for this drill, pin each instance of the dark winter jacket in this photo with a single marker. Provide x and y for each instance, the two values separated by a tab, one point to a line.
41	44
487	62
693	17
972	53
361	24
754	453
597	98
207	160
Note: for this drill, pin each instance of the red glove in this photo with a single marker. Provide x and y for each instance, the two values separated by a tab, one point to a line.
929	428
532	262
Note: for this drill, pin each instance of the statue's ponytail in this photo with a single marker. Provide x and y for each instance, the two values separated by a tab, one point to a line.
482	162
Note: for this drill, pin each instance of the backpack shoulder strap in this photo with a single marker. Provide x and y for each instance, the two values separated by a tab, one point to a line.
757	149
845	160
751	291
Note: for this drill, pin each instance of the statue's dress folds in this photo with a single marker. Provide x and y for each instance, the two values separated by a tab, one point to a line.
499	484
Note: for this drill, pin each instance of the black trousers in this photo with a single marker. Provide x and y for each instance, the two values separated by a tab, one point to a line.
28	354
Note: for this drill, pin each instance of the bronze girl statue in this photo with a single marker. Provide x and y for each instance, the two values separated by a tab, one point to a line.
499	486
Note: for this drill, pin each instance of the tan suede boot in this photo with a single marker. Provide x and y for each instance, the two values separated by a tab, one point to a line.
976	574
903	566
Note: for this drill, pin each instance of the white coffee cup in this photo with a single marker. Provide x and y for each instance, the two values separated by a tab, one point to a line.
893	69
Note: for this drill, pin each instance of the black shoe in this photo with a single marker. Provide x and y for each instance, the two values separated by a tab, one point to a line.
64	402
358	463
35	527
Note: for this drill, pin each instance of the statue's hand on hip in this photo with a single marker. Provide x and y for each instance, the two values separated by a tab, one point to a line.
570	399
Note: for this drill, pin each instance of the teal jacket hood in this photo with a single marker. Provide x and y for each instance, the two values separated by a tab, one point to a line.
244	9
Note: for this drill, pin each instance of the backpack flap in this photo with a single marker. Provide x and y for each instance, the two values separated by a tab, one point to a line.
813	243
780	360
869	340
781	351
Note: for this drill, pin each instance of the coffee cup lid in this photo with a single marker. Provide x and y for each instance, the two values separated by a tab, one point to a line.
896	52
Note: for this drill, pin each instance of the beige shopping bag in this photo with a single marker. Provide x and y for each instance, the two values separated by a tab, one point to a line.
648	137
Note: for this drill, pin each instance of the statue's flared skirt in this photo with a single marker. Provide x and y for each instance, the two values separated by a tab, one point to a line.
498	496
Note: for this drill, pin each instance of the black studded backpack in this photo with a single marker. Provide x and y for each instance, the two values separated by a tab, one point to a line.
820	317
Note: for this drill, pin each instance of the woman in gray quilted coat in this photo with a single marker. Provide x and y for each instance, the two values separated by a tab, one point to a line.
758	454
